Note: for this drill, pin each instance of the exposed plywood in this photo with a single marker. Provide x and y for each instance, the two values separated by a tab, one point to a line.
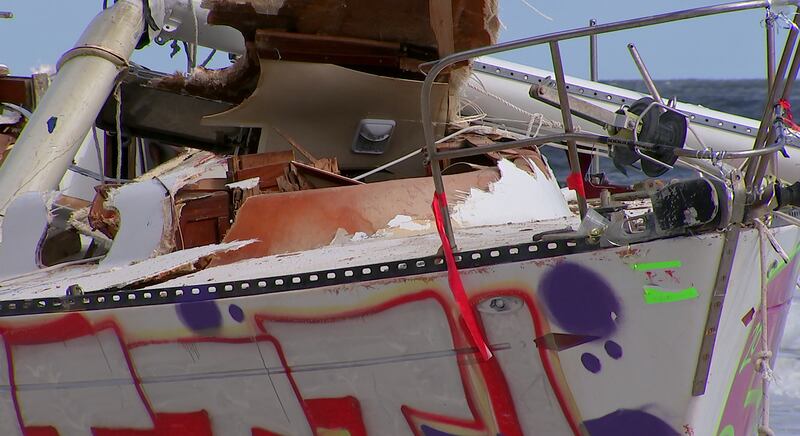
347	51
464	24
297	221
50	282
442	24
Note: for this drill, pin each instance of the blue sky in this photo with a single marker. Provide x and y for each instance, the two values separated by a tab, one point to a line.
729	46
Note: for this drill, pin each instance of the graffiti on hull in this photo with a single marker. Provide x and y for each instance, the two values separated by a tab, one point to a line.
398	365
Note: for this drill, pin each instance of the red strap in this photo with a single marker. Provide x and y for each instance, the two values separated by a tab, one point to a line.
788	118
456	286
575	182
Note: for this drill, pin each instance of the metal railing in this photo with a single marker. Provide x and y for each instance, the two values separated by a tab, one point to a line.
758	158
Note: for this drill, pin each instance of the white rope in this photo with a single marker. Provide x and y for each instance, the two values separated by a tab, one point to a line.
483	90
531	115
762	362
538	128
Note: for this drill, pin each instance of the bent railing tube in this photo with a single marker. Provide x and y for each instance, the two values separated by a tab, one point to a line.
757	160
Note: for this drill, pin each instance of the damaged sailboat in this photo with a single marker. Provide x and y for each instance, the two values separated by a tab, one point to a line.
340	234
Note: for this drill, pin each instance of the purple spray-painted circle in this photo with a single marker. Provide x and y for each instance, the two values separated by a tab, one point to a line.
236	313
613	349
200	315
590	362
579	300
625	422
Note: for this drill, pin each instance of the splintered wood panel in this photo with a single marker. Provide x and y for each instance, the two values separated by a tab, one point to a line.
267	175
247	161
474	22
204	220
337	50
442	24
16	90
308	219
268	167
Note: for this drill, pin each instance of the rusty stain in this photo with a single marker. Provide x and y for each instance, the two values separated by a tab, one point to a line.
628	252
671	274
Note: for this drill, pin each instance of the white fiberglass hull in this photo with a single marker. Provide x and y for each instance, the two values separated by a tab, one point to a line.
585	341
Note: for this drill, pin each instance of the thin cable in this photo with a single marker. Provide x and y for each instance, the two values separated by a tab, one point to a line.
100	165
533	8
118	118
506	102
419	150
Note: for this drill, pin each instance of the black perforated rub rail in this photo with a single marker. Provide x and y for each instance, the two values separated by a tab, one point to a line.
114	298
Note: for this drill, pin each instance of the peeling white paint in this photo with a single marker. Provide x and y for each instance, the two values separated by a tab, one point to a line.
405	222
359	236
517	197
244	184
371	250
188	168
54	281
570	195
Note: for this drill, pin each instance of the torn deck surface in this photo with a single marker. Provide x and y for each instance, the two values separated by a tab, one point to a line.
369	251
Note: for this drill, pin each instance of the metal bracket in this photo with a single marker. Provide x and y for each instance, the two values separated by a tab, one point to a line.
721	285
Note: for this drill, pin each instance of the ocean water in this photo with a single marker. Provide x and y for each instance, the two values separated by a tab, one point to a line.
746	98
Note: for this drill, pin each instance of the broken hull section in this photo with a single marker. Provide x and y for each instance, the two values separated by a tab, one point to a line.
381	348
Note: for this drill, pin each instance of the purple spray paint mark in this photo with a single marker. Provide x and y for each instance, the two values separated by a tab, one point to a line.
429	431
590	362
613	349
579	300
236	313
51	124
626	422
200	315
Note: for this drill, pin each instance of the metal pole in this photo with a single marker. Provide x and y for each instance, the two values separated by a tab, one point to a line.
566	116
787	83
790	79
86	76
648	80
770	29
438	66
593	53
608	140
754	164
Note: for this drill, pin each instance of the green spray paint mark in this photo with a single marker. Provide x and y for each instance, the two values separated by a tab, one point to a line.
727	431
650	266
773	271
745	362
753	397
748	357
657	296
